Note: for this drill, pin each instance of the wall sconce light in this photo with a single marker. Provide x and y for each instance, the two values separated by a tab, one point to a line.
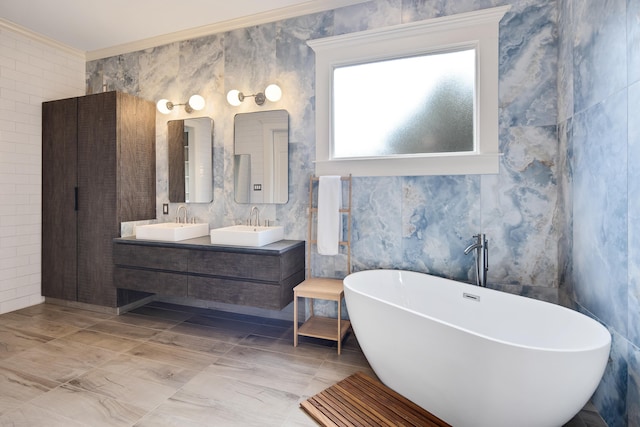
195	103
273	93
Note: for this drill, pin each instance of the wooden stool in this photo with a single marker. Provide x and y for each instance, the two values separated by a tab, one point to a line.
317	326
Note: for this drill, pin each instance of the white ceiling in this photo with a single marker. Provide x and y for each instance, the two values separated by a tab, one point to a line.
97	26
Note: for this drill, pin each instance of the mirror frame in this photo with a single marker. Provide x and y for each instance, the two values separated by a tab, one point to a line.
256	162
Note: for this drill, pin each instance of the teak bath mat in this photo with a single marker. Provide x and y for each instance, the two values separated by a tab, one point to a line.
362	401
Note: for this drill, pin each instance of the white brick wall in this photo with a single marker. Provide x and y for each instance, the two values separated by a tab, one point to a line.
32	70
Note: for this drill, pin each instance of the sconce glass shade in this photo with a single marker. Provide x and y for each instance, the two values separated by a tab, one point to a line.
233	97
273	92
196	102
164	106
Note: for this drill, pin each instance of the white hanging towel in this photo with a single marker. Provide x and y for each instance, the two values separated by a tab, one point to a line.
329	201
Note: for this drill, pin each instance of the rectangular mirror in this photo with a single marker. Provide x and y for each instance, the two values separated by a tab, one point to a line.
191	160
261	157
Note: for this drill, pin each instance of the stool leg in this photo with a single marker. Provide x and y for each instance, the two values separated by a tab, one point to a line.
295	319
339	320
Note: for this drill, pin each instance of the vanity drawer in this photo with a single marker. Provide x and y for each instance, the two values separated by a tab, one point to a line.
161	258
263	295
265	268
262	278
157	282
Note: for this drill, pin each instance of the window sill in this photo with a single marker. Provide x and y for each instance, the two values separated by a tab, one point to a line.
446	164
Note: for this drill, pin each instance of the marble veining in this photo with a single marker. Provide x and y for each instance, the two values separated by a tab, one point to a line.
599	39
598	258
600	195
395	224
560	213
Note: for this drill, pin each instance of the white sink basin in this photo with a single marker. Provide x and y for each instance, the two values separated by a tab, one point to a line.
246	235
171	231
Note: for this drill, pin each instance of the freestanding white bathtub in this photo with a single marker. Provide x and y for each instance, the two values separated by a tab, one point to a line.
475	356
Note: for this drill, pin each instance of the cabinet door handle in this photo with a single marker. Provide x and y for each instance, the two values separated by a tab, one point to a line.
75	207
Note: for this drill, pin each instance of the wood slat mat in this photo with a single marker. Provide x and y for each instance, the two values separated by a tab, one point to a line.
362	401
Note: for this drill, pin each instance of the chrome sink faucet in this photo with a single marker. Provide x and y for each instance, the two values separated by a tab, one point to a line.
257	211
178	214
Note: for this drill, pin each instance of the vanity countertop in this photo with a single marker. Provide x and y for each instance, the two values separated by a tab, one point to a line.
204	243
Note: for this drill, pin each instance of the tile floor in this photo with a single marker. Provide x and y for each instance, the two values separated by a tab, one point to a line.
166	365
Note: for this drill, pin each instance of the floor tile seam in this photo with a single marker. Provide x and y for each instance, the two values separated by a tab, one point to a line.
124	324
284	353
228	318
196	405
19	371
106	373
231	340
151	341
38	364
18	404
195	368
83	326
196	336
27	335
226	377
93	393
136	341
122	400
10	328
47	410
63	315
350	365
308	374
146	360
229	315
151	411
14	353
281	353
225	328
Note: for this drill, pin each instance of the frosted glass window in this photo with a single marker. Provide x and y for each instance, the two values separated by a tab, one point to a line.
415	105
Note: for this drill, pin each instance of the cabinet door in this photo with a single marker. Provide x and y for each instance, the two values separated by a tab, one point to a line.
59	184
136	158
97	220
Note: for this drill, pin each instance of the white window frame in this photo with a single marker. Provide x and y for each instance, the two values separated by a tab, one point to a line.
479	29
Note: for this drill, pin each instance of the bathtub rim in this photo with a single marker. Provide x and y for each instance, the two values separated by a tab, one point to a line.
600	327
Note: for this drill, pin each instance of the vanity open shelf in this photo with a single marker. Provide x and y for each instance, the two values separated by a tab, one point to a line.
252	276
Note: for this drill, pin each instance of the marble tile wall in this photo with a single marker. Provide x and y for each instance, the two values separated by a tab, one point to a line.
599	96
561	209
420	223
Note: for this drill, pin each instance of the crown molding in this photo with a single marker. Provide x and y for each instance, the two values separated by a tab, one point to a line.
307	8
32	35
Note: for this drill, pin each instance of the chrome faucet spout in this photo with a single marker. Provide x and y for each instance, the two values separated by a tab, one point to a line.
472	247
257	211
178	213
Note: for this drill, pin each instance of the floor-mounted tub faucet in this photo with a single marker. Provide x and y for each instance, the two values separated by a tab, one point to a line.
481	248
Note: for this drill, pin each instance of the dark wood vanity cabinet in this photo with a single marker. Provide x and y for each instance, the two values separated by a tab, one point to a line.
257	277
98	169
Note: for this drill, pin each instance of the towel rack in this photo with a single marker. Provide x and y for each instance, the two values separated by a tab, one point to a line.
313	219
324	288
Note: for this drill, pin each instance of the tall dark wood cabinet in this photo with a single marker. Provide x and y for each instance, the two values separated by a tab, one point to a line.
98	170
175	136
